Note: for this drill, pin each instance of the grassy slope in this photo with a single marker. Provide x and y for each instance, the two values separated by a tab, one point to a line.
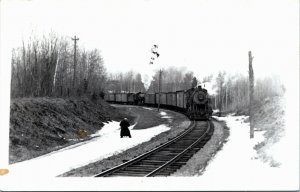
41	125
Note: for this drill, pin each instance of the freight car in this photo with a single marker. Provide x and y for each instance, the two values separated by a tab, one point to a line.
110	97
195	102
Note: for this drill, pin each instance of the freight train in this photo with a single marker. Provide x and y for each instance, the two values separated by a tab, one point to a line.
194	102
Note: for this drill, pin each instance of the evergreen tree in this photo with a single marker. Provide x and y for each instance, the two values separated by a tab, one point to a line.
194	82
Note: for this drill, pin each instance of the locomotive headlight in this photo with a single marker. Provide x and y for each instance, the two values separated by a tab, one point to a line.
200	96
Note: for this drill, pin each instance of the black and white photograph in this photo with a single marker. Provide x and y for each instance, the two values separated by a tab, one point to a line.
149	95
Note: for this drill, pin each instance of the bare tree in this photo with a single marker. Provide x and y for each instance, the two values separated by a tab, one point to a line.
220	89
251	93
45	68
207	79
194	82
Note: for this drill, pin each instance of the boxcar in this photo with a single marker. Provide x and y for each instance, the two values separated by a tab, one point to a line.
184	100
131	98
118	97
163	98
179	99
124	97
150	98
171	99
110	97
106	97
173	103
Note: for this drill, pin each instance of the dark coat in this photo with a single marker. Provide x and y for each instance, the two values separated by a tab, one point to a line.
124	128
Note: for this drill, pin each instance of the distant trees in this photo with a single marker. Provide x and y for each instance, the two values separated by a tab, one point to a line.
220	80
207	79
45	67
173	79
125	82
232	91
268	87
188	80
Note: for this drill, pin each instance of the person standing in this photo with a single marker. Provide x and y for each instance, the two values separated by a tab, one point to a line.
124	128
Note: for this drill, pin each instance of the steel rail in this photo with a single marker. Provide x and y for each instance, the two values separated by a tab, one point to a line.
140	157
180	154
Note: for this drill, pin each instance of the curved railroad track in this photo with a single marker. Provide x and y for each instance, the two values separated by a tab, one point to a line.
167	158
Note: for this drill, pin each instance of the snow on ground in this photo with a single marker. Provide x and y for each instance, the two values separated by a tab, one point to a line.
164	115
236	166
147	108
107	142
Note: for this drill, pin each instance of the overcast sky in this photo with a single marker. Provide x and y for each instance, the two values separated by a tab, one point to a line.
206	36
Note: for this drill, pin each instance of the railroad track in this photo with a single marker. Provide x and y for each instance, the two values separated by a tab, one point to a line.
167	158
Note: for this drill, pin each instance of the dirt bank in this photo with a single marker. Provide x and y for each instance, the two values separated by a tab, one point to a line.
41	125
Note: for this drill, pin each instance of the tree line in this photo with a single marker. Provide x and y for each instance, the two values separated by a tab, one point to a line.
125	82
232	91
45	67
173	79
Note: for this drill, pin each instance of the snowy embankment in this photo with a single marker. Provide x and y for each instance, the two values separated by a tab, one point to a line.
237	165
105	143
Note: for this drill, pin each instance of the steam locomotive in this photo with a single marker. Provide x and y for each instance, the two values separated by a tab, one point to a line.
194	102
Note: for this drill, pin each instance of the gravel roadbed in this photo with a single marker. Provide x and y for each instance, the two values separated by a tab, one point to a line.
197	164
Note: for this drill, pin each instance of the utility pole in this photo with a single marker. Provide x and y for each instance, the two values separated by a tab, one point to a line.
226	98
251	91
75	39
159	89
155	56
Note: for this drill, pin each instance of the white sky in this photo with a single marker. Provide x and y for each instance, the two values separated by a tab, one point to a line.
205	36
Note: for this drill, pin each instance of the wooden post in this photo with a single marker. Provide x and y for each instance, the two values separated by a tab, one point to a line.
226	98
216	102
251	91
221	100
159	89
75	39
